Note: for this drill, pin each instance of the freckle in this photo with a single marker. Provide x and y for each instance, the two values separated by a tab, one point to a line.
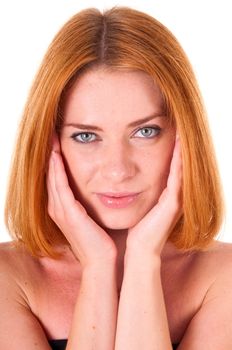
93	327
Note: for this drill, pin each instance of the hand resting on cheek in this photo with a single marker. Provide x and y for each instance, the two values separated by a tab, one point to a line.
152	232
89	242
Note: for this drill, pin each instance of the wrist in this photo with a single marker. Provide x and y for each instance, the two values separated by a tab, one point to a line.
100	267
141	259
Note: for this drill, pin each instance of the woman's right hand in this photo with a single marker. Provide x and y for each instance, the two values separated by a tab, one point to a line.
89	242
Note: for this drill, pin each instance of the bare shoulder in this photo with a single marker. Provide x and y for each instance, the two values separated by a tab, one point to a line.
207	264
192	280
37	296
10	250
19	272
18	324
15	261
207	268
219	248
30	273
209	278
216	259
217	262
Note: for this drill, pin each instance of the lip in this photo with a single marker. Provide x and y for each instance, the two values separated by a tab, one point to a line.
117	200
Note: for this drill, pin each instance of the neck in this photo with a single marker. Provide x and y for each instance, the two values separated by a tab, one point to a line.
119	237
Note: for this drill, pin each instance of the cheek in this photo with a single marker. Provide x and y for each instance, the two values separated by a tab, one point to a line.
78	169
159	168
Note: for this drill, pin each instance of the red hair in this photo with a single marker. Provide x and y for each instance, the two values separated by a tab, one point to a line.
124	39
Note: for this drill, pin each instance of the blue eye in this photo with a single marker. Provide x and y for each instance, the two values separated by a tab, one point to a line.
149	132
83	137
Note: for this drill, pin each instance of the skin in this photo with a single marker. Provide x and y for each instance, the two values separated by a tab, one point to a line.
118	158
178	292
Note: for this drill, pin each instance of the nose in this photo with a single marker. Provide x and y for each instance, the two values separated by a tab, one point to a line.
118	164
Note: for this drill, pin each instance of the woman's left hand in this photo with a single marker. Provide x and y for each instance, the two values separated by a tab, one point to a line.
153	230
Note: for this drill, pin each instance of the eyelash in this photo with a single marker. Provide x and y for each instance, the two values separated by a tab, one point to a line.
154	128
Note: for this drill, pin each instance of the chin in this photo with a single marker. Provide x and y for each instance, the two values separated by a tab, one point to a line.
116	222
118	219
117	225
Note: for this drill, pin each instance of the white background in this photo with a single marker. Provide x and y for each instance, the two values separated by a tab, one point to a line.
203	28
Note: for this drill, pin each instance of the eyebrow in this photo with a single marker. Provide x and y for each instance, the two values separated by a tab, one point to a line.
135	123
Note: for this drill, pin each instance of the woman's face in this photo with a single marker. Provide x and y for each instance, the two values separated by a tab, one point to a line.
115	140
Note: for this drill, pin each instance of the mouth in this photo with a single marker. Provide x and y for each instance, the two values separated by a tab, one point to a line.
117	200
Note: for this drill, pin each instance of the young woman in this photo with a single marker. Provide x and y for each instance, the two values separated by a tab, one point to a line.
114	199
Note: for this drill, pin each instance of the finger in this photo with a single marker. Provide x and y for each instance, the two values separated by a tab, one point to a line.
52	178
56	143
174	182
77	226
61	181
49	190
63	190
54	200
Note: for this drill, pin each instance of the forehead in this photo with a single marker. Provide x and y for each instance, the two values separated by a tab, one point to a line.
101	94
